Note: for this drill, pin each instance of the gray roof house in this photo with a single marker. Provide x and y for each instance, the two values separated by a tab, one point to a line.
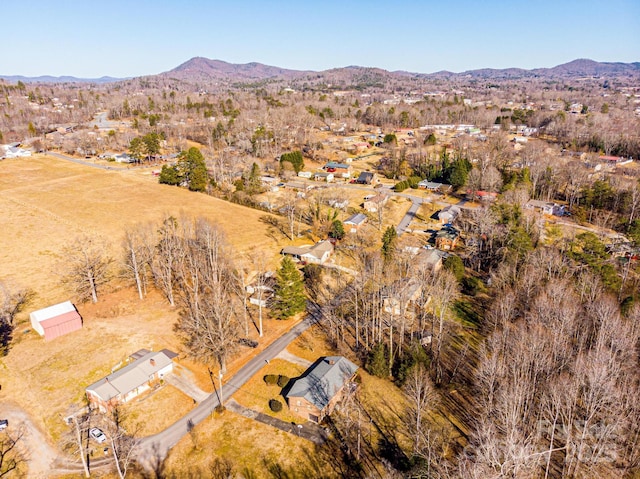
448	214
355	221
315	394
318	253
146	369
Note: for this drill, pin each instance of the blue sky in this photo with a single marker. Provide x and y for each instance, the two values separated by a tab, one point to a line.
86	38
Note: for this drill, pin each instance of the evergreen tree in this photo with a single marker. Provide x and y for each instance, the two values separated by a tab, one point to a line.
169	175
193	170
136	148
289	291
295	158
337	230
389	242
454	264
377	362
253	183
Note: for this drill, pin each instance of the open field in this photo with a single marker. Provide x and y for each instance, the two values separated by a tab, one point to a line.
48	202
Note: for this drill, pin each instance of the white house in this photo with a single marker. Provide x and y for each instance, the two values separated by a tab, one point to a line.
147	369
355	221
318	253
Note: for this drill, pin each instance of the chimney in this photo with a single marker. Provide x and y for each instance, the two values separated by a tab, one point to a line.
331	361
152	361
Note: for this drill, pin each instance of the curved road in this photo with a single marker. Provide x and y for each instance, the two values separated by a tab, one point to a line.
158	445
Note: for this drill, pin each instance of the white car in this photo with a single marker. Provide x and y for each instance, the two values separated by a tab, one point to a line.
97	434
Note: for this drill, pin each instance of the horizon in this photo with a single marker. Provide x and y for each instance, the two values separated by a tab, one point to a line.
153	37
9	75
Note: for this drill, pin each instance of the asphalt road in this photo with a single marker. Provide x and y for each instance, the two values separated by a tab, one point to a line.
158	445
80	162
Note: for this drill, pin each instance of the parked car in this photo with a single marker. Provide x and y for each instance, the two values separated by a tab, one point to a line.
97	434
4	423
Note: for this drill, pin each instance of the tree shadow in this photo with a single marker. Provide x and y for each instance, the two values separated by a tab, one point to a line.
276	224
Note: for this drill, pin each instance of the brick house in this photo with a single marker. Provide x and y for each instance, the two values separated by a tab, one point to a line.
315	394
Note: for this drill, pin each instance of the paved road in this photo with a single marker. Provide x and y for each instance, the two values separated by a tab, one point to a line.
80	162
160	443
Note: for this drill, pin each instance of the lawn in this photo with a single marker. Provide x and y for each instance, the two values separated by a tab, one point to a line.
255	394
147	414
311	345
255	449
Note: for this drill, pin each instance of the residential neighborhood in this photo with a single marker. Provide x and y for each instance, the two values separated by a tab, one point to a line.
262	262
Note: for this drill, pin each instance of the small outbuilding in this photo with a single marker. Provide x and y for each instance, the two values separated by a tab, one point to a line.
56	320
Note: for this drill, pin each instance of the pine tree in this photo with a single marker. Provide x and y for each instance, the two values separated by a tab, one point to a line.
289	291
389	242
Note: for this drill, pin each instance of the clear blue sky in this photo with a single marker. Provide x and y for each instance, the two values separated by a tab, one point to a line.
87	38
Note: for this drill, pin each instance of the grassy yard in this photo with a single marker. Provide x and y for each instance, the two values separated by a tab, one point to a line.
255	449
311	345
256	394
49	202
147	414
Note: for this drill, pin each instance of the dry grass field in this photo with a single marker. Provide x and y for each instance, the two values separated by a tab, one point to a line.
255	449
47	202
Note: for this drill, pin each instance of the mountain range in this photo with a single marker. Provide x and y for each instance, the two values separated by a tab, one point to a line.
199	69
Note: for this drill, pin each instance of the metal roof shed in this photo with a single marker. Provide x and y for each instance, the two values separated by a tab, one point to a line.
56	320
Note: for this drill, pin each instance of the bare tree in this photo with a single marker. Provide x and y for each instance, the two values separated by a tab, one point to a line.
422	398
10	457
207	292
168	255
443	290
124	443
138	256
11	303
85	267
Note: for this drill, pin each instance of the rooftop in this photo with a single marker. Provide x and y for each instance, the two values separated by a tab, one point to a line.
323	380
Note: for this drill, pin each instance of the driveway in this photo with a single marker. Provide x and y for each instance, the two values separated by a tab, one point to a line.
409	215
183	379
311	432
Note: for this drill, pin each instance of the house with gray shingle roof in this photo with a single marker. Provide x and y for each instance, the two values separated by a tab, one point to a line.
146	370
318	253
315	394
355	221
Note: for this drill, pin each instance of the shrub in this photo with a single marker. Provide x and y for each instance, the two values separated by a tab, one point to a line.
271	379
413	182
275	405
455	265
283	381
403	185
471	285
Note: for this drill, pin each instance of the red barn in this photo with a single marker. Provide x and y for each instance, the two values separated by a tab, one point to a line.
56	320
